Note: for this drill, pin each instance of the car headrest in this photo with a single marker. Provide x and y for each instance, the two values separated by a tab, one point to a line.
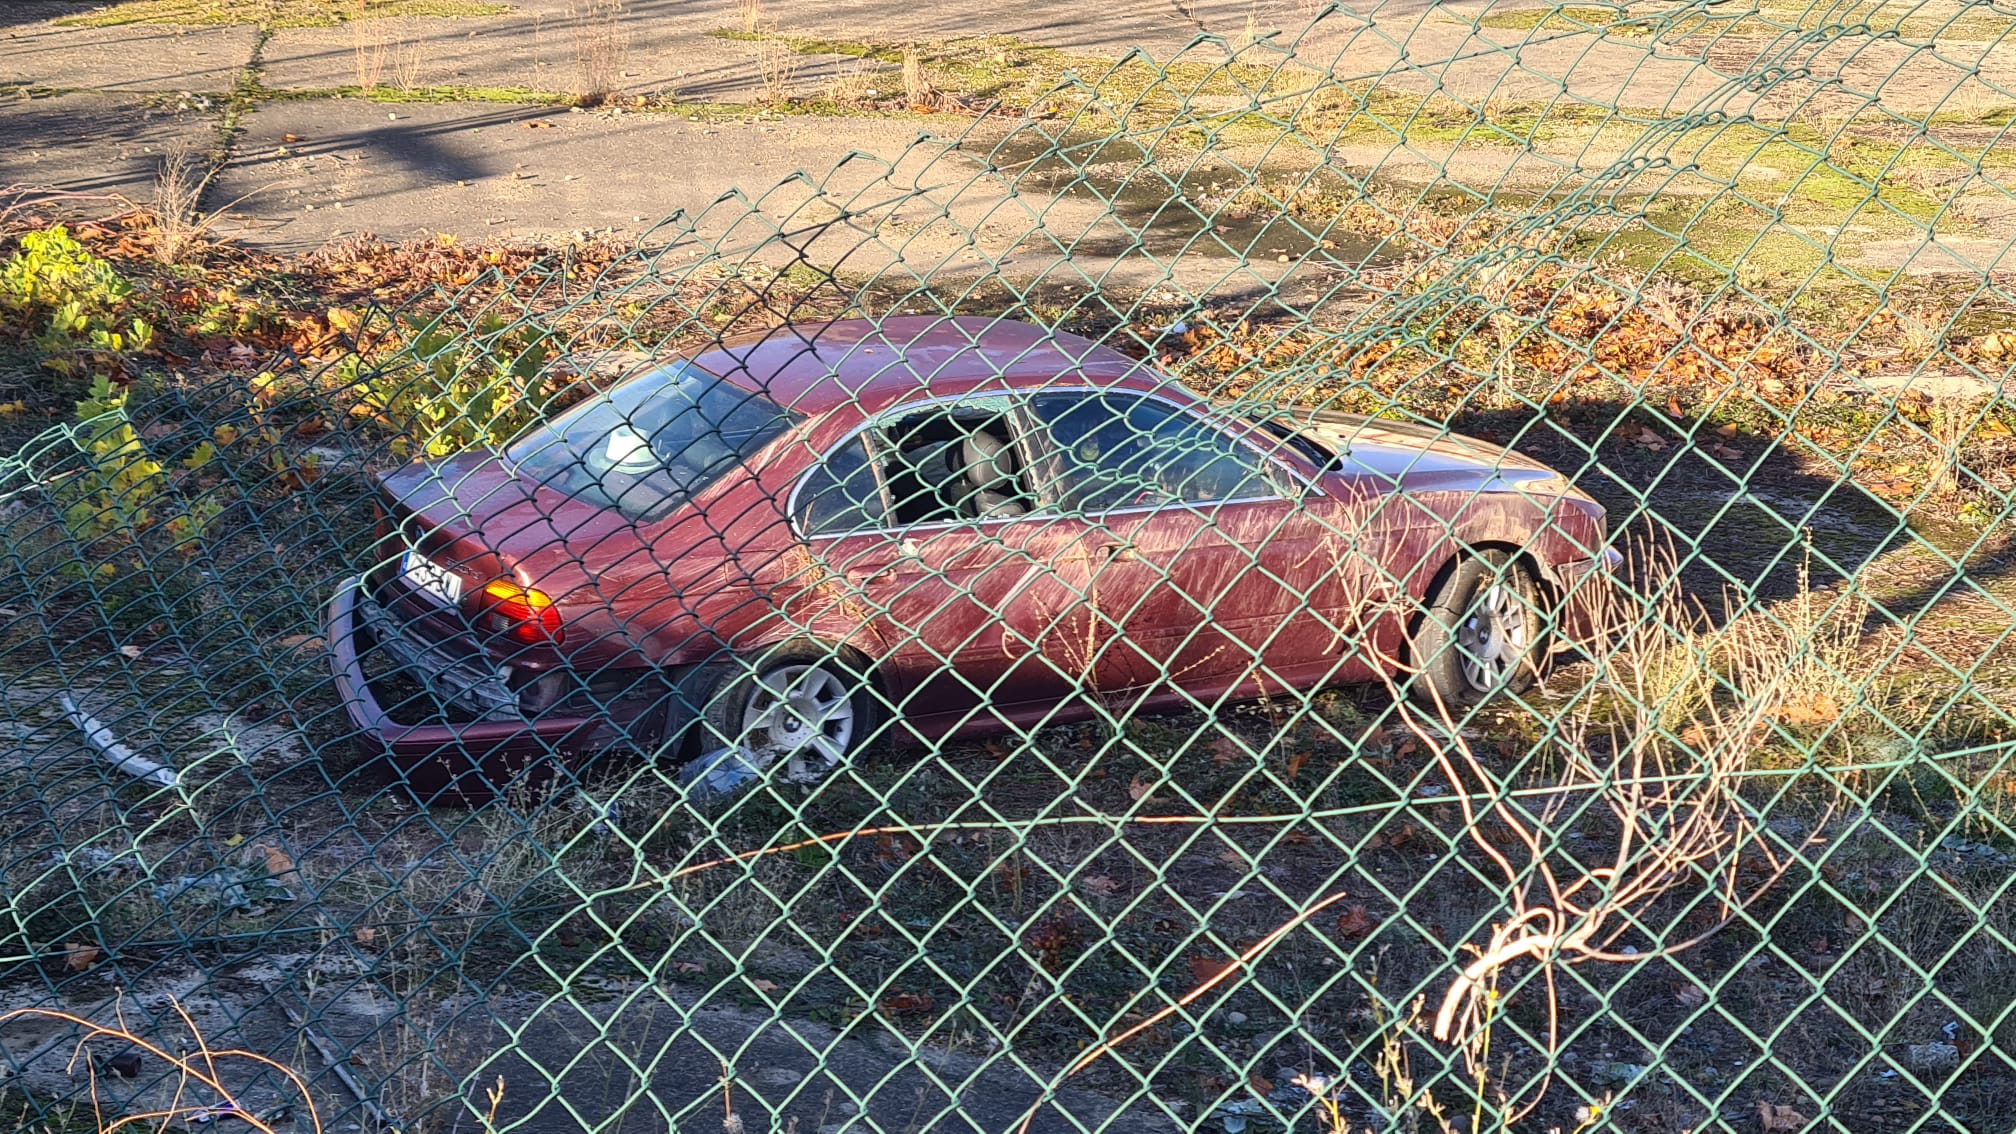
988	461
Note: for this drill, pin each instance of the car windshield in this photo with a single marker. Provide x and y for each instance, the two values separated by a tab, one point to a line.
652	443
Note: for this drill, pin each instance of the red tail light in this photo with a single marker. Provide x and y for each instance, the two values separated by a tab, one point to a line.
519	613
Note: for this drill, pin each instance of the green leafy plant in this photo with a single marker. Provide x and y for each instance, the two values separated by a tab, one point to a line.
121	482
446	389
122	487
72	304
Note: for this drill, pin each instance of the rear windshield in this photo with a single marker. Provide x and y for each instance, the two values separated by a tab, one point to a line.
652	443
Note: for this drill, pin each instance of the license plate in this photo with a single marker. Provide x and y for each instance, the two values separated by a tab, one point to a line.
430	578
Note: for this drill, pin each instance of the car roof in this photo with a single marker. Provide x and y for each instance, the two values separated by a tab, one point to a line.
814	368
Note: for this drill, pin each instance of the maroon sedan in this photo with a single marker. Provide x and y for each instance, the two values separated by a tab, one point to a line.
785	548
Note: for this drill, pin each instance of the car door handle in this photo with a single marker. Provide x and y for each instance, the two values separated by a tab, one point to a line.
861	578
1113	551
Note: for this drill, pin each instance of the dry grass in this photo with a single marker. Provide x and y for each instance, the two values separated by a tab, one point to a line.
918	91
177	202
777	63
381	59
601	48
1803	660
856	82
749	15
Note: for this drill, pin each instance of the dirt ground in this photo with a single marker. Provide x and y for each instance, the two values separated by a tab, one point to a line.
569	950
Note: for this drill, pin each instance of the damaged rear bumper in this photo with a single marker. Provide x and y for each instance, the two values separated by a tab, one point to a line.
498	746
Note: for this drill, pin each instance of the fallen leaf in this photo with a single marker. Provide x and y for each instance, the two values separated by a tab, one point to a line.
537	124
1296	763
904	1002
78	955
365	935
1259	1085
290	139
277	862
234	840
1816	709
1138	788
1646	439
764	985
688	967
131	653
1225	752
1689	995
1206	970
996	750
1776	1118
1356	922
1100	885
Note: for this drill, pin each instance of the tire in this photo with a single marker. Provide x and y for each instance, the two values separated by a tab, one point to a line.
796	712
1481	636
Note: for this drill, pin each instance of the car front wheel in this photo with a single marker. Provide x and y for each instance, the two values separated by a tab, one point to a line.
1481	635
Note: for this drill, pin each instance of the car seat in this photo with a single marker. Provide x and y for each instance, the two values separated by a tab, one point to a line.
989	472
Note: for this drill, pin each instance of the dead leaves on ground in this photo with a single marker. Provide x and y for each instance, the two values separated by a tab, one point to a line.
1356	922
79	956
908	1003
1205	970
1099	885
1776	1119
1809	710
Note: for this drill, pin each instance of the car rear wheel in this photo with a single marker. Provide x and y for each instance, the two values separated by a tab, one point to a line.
796	713
1481	635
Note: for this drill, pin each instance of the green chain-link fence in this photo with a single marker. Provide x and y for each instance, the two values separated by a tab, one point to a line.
1054	694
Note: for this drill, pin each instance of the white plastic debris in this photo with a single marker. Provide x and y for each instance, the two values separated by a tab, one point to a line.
99	735
1933	1056
723	772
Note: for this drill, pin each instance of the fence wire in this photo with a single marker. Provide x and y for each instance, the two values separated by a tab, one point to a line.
1416	572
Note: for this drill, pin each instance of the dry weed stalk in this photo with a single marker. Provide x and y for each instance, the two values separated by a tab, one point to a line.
601	48
854	82
749	14
1678	816
918	93
175	215
777	62
176	208
368	55
194	1068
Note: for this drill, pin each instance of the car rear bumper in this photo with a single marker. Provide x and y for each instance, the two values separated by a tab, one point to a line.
476	757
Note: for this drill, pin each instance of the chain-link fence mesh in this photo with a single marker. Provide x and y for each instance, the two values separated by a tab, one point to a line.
1099	622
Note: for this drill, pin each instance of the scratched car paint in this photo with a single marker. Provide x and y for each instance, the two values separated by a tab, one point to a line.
791	547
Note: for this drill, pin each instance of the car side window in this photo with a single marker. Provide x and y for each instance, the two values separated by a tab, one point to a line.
842	493
945	464
1118	450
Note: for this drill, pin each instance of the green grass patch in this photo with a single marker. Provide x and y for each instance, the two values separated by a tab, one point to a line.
274	13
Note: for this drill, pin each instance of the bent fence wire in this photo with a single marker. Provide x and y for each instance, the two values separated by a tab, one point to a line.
1034	700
